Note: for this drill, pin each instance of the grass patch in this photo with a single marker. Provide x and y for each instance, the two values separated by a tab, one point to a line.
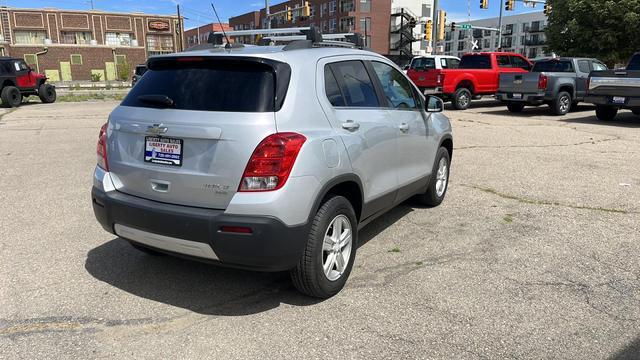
90	97
508	218
395	249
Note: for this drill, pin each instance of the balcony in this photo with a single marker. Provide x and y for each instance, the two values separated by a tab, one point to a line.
534	29
534	42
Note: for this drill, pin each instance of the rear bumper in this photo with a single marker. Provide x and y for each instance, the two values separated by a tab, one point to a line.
196	232
530	98
630	102
431	90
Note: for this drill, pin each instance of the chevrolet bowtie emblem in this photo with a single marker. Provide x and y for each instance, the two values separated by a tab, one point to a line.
157	129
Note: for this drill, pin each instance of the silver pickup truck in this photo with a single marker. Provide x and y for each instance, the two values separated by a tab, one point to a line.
613	90
558	82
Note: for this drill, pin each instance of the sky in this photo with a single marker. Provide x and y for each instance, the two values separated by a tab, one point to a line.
198	12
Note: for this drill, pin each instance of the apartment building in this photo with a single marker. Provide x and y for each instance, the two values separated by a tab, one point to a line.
522	33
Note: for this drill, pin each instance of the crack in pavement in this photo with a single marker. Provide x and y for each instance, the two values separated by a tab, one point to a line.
546	202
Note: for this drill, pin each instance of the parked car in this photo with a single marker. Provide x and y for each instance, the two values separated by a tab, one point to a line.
424	71
138	72
560	83
612	90
266	172
20	81
478	75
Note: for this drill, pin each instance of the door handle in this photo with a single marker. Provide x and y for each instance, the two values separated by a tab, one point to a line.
350	125
404	127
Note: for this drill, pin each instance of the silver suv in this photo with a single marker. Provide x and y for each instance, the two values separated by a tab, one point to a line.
268	158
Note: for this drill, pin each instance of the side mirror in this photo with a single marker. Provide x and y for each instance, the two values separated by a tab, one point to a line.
434	104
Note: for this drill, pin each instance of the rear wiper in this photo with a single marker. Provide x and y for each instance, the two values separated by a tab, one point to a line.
162	100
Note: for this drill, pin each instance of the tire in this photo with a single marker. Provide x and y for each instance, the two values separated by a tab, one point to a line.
435	192
462	99
11	96
636	112
47	93
146	250
561	105
309	276
606	113
515	107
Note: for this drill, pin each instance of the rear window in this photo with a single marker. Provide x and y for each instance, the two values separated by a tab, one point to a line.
207	85
423	64
634	64
553	66
475	62
140	70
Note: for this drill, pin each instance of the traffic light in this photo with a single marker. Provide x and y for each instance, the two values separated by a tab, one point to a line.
442	21
306	10
428	30
289	14
547	9
509	5
484	4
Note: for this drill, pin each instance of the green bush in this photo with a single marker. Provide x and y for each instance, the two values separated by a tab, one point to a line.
124	70
96	77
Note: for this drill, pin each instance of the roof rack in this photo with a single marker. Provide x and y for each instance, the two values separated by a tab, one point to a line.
296	38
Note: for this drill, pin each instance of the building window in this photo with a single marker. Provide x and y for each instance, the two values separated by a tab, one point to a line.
333	23
118	39
159	44
487	43
76	59
447	47
323	10
347	5
79	38
332	7
325	26
30	37
347	24
365	5
365	25
460	45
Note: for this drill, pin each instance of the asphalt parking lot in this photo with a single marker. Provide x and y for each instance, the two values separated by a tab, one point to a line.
533	254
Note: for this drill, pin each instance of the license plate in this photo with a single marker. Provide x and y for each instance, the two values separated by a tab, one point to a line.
619	100
517	96
162	150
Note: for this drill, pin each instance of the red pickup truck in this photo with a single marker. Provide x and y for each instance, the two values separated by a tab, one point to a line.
478	74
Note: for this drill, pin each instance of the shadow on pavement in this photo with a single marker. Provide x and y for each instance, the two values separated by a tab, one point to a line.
542	110
201	287
624	119
630	352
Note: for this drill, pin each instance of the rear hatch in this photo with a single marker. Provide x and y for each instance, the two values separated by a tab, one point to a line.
524	83
186	131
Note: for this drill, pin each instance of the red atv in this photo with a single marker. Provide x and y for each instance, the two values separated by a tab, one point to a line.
20	81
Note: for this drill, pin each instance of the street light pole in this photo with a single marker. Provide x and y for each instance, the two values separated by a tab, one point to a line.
500	25
436	25
267	13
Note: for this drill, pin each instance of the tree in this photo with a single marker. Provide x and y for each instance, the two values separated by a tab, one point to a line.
604	29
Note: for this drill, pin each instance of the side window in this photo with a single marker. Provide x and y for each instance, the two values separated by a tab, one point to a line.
355	84
583	66
5	68
331	88
598	66
503	61
453	63
396	87
521	63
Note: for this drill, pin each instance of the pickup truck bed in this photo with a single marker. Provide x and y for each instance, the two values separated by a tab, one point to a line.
615	89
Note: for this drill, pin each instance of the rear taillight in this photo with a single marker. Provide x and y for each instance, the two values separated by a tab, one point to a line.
542	82
440	79
101	149
271	162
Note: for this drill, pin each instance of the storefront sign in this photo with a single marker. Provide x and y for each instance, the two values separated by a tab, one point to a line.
158	25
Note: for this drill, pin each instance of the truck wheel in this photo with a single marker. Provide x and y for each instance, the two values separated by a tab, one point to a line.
561	105
47	93
439	182
515	107
606	113
462	99
331	246
11	96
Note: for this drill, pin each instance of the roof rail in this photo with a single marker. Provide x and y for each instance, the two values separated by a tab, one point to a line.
298	37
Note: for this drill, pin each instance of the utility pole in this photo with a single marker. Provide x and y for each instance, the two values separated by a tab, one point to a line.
436	25
91	4
179	30
500	25
267	13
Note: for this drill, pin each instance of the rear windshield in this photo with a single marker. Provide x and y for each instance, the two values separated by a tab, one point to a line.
423	64
475	62
634	64
553	66
140	70
206	85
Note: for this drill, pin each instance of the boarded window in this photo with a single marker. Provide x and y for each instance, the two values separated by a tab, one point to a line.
76	59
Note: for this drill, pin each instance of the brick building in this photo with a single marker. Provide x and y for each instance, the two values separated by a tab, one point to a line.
71	45
371	18
200	35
